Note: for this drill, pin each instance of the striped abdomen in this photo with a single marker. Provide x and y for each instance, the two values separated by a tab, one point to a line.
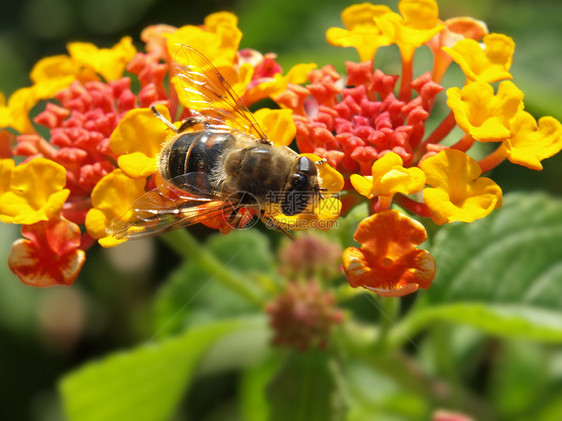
189	160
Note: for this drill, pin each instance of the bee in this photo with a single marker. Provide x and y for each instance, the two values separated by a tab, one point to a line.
219	164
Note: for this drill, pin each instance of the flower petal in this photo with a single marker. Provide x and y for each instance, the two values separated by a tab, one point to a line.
277	124
420	23
530	143
487	63
219	39
50	256
111	198
36	192
108	62
458	193
389	263
363	185
138	138
19	105
481	114
388	178
6	168
362	32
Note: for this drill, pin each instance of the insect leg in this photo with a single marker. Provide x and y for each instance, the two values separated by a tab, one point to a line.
163	119
192	121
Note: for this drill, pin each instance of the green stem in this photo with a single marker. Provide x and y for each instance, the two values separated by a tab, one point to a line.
410	326
389	308
183	243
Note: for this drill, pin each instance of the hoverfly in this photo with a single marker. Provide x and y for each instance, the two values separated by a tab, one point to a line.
219	164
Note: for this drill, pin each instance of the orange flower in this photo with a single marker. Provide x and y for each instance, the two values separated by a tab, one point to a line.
50	254
6	143
389	263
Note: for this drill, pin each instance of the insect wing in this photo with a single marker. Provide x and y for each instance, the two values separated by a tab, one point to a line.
166	208
202	88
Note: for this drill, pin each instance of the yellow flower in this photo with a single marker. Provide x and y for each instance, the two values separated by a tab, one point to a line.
108	62
5	115
388	178
111	198
237	77
530	143
458	193
418	24
35	193
138	138
225	26
200	72
298	74
488	63
6	168
16	113
278	125
455	29
218	39
53	67
362	30
52	74
482	115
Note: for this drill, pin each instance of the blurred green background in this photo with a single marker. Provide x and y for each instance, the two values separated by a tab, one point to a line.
46	333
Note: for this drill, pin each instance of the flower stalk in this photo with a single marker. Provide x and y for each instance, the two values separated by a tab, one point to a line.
185	245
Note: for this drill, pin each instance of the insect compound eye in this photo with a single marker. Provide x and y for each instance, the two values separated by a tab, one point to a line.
295	202
299	182
306	166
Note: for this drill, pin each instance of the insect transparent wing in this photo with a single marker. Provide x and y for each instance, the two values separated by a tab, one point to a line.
167	207
202	88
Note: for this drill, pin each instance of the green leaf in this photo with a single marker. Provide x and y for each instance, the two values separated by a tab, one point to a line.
502	274
520	378
145	383
374	396
253	386
306	388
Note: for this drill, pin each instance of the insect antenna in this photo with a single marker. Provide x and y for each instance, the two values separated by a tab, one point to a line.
275	224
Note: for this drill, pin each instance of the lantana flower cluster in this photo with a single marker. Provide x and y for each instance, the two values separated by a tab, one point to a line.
371	127
91	150
92	147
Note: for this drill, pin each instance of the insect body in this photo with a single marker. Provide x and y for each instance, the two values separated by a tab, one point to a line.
219	163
